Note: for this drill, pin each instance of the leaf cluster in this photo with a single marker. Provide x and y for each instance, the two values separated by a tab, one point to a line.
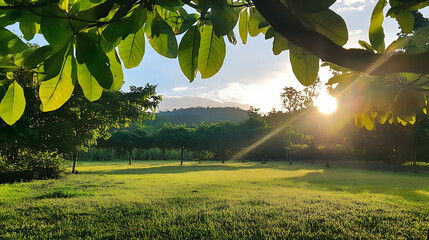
89	41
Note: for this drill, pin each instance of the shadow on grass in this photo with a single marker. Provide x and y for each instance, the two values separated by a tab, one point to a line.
133	170
410	186
63	193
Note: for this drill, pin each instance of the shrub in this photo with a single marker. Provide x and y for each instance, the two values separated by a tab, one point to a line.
32	165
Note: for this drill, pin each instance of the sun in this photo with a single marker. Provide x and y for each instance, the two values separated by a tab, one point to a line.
326	103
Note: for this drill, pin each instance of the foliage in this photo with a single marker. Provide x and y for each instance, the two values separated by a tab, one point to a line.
250	139
77	124
229	201
29	165
177	137
85	37
394	98
294	100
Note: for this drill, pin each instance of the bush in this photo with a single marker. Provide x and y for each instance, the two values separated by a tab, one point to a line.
32	165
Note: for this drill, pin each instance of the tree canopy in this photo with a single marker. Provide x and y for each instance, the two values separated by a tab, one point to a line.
90	40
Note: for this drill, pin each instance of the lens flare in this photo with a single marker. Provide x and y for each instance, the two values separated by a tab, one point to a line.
326	104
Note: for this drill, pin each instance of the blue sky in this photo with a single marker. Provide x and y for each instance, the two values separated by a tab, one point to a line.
251	73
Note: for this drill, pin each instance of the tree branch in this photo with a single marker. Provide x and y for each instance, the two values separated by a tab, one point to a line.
190	4
285	23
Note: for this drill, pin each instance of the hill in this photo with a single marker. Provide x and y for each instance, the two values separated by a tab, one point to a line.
196	115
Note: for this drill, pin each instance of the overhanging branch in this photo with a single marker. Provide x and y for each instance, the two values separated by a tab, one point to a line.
285	23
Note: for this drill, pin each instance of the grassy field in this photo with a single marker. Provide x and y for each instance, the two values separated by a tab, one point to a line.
162	200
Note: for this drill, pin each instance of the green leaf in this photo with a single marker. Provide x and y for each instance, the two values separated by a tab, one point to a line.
187	22
12	105
223	17
90	87
37	57
311	6
360	120
340	78
95	9
132	49
53	64
305	65
376	32
116	68
119	30
407	103
9	17
211	53
406	21
64	5
369	122
171	5
243	25
28	26
397	44
280	44
366	45
188	52
10	43
57	31
162	38
255	19
270	33
55	92
331	25
89	52
232	38
19	58
88	4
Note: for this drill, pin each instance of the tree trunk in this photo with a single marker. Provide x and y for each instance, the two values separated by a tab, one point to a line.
74	156
131	157
290	157
181	155
415	161
328	164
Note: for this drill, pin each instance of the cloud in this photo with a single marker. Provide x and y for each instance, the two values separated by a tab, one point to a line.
352	5
185	88
263	94
345	9
355	32
352	2
176	102
180	89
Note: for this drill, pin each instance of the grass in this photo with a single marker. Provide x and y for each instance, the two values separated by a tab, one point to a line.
162	200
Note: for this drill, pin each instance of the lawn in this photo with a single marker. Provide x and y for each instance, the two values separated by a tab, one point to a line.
163	200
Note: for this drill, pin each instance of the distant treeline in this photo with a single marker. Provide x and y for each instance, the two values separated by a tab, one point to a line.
304	135
251	139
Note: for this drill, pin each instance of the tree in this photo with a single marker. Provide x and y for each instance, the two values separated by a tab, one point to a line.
123	140
77	124
294	100
220	138
89	39
176	137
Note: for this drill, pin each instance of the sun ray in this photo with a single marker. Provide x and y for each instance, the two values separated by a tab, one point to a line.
267	137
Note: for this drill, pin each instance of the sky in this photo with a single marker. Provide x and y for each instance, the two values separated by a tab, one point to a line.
251	74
